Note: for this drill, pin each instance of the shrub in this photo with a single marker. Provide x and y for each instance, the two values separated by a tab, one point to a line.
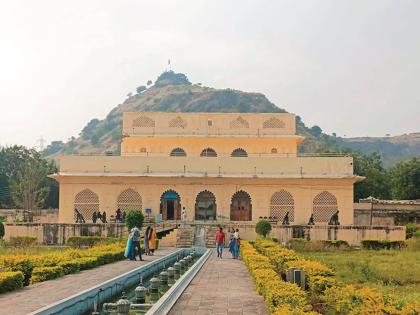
411	230
134	218
383	244
263	228
84	241
1	230
22	241
11	280
18	263
298	243
87	262
71	266
40	274
336	244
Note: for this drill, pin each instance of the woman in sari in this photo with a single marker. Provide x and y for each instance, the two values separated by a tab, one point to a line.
129	247
146	241
152	240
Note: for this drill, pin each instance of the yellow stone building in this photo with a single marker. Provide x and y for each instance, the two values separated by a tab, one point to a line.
214	167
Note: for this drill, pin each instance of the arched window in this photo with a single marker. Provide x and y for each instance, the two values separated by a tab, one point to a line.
143	121
273	123
324	206
177	122
205	206
86	203
274	151
129	199
239	123
239	153
208	152
178	152
282	202
241	207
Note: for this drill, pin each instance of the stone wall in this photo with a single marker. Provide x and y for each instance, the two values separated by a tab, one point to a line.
349	233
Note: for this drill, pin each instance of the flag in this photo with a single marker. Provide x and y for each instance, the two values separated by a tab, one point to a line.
169	62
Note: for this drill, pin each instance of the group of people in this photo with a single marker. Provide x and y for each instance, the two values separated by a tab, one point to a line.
233	245
133	248
98	216
120	216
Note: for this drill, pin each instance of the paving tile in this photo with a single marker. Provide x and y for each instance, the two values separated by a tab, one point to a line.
222	287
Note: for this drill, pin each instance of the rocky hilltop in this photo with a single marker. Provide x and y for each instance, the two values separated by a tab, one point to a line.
173	92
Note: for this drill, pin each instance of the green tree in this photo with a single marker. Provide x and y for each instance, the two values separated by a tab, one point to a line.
376	183
134	218
140	89
405	179
149	82
263	228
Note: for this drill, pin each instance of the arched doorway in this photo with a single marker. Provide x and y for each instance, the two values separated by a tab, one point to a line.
205	206
170	205
241	207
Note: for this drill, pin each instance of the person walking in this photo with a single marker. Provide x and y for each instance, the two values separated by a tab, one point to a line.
146	241
237	243
152	240
220	242
231	244
135	231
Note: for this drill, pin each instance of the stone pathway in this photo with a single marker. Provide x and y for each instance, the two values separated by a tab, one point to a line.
223	286
34	297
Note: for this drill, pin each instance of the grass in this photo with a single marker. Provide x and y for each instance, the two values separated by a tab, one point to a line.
395	272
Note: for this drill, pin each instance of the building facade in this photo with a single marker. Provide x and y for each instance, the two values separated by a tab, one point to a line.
214	167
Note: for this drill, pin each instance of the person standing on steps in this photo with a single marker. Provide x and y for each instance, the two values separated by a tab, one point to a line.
220	242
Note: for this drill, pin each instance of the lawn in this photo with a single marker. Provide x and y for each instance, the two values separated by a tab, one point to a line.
395	272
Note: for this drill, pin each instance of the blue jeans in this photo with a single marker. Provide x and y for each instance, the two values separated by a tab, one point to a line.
235	253
219	248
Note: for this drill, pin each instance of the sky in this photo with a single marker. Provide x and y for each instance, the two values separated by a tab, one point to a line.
350	66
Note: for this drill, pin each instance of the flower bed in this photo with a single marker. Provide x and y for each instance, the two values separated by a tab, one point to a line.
326	294
37	268
278	294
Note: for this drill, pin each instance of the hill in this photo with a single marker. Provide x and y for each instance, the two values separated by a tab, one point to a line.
173	92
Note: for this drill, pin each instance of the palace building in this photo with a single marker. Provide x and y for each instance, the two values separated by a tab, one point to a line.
214	167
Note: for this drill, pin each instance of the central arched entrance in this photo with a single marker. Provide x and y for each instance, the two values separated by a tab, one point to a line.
205	206
170	205
241	207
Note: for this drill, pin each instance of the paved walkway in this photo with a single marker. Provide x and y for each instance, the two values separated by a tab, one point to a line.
36	296
223	286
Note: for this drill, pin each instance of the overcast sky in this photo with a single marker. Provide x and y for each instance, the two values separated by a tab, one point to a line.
351	67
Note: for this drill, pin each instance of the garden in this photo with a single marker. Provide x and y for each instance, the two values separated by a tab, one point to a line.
23	262
329	289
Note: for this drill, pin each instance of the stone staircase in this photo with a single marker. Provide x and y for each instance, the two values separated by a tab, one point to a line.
185	236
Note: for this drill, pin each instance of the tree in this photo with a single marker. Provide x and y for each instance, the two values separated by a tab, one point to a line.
149	82
23	178
140	89
376	183
263	228
134	218
405	179
315	131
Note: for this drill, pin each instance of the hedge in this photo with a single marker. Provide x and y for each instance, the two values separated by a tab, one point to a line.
278	294
383	244
325	290
40	274
11	280
89	241
36	268
22	241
